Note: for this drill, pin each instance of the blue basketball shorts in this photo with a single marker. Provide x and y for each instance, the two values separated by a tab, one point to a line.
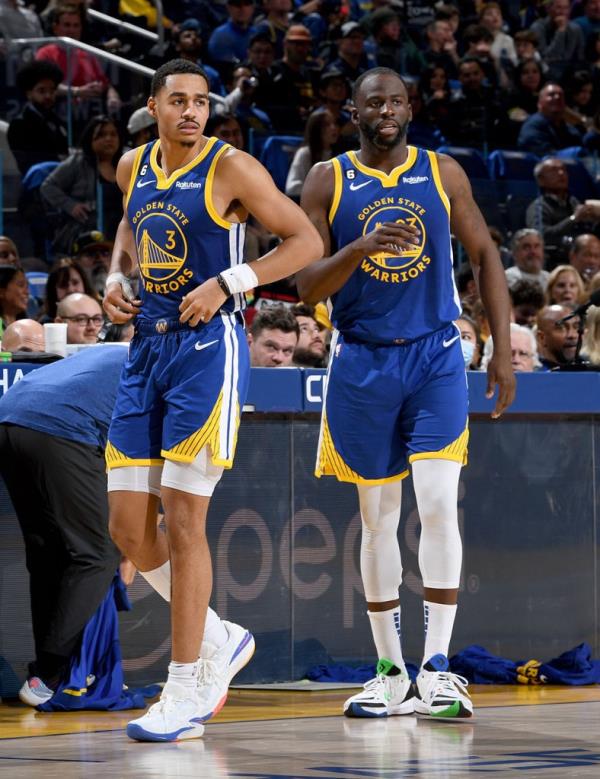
181	389
387	406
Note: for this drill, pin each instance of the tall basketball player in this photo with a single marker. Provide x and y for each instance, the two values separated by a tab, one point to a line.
396	392
174	428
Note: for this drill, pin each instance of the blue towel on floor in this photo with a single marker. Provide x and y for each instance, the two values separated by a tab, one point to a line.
99	656
573	667
479	666
345	673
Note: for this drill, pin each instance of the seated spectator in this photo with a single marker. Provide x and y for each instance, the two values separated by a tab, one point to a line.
72	187
275	22
547	131
38	134
503	46
466	285
526	46
93	252
141	128
556	214
14	295
83	316
187	40
228	43
334	93
565	287
527	299
87	79
585	256
241	102
557	342
352	58
524	354
522	99
227	128
273	338
394	48
66	277
320	137
310	351
528	256
24	335
441	47
470	342
499	239
579	97
590	349
478	41
261	56
421	132
561	42
18	21
435	89
589	21
9	254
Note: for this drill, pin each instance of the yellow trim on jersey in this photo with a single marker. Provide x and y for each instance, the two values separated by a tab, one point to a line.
76	693
162	182
337	189
116	459
435	170
208	435
456	451
387	179
330	463
134	171
208	201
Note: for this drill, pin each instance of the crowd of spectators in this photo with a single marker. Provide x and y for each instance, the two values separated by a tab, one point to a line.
482	75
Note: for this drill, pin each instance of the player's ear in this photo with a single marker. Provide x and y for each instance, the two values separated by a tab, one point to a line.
151	104
354	115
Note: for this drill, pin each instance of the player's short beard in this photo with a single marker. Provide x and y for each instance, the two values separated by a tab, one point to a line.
373	136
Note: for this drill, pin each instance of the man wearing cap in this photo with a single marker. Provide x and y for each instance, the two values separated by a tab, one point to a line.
37	134
229	42
352	60
188	45
395	48
141	127
275	22
93	251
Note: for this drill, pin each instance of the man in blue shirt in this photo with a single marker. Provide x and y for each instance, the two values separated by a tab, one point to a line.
53	430
546	131
229	42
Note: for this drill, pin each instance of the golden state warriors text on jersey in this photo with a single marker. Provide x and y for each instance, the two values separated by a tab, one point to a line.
394	295
181	240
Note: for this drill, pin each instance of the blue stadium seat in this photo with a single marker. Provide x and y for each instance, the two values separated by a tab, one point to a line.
37	174
581	184
277	155
514	165
471	160
37	284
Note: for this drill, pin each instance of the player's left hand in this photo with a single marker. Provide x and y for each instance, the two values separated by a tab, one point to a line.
202	303
500	372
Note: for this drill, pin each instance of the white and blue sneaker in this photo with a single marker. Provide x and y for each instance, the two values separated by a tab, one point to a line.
176	716
388	694
218	666
441	694
34	692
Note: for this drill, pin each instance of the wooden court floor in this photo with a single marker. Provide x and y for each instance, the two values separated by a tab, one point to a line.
261	734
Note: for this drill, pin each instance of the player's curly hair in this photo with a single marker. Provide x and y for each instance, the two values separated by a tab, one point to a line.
173	67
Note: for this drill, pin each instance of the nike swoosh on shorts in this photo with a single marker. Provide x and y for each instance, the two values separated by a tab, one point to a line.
446	344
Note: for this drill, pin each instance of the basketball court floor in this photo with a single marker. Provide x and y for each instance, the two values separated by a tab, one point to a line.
265	734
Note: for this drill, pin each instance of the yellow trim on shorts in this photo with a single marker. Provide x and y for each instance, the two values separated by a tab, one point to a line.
387	179
437	179
164	182
208	201
134	171
337	189
116	459
76	693
208	435
330	463
456	451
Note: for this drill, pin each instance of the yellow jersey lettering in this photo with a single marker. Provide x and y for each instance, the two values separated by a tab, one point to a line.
385	276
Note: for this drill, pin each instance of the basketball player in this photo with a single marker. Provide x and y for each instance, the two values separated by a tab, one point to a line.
396	391
174	428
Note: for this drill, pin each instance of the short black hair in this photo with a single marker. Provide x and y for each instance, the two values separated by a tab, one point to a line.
35	71
375	72
527	293
173	67
218	120
274	318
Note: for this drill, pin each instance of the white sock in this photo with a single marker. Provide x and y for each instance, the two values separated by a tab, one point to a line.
385	626
439	621
215	632
185	674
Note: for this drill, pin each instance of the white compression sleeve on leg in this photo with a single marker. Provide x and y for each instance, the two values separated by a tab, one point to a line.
440	547
160	580
380	564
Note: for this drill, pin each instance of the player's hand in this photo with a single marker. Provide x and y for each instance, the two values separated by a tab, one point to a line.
389	237
202	303
500	372
119	309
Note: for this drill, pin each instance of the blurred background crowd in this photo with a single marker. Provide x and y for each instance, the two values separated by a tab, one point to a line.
510	89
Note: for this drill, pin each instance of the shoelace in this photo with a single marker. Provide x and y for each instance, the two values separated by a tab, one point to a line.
446	683
207	672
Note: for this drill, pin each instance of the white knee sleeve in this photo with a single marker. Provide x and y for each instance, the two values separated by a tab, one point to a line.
380	564
135	478
440	547
200	477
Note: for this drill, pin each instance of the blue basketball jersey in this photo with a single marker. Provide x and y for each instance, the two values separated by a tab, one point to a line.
394	297
180	238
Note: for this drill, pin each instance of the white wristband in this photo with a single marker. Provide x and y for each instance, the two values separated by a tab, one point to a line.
120	278
240	279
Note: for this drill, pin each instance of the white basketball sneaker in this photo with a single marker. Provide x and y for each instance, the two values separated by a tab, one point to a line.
34	691
442	694
218	666
176	716
389	693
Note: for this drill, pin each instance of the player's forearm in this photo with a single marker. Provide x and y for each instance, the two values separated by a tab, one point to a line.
494	295
123	258
325	278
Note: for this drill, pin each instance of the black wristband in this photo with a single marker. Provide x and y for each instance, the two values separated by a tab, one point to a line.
223	284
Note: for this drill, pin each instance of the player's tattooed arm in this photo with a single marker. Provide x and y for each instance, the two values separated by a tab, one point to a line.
119	302
469	226
322	279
